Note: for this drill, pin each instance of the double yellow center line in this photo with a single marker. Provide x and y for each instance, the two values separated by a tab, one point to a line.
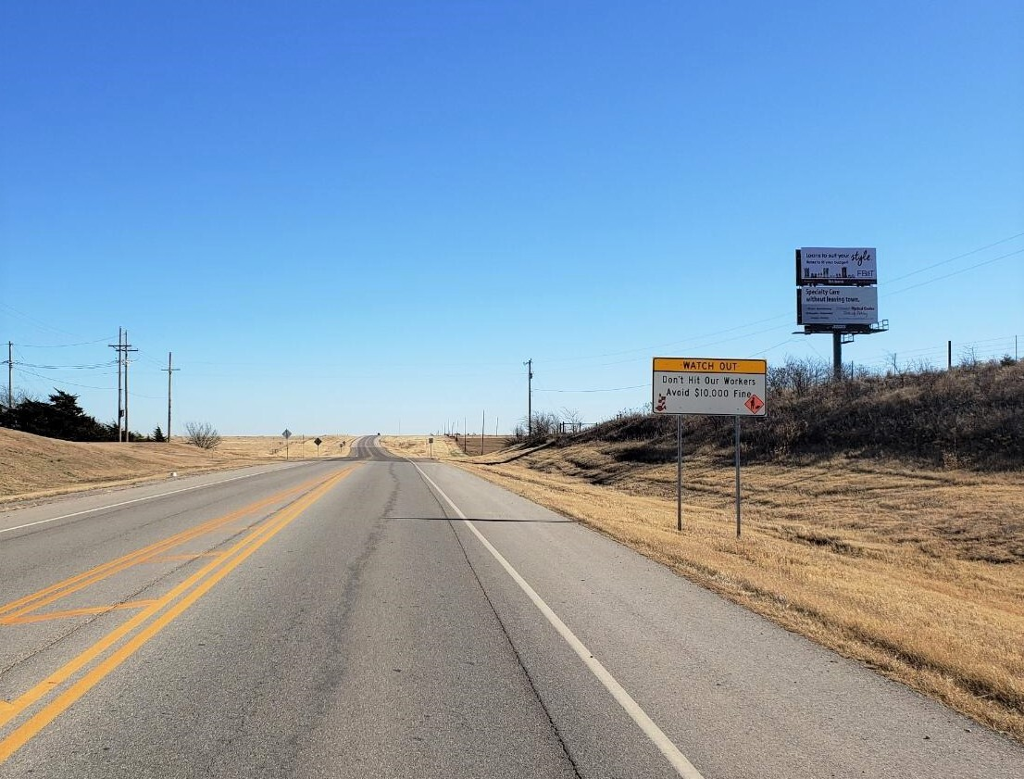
121	643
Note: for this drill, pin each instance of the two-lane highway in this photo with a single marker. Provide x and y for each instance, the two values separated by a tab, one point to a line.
371	616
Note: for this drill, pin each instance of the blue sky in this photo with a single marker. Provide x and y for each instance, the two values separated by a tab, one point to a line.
350	216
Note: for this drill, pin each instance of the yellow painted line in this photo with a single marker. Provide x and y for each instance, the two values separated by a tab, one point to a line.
100	572
185	594
135	604
73	584
74	666
177	558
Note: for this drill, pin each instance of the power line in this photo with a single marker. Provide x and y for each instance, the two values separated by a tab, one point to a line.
954	273
788	315
92	367
36	322
50	379
953	259
66	346
586	391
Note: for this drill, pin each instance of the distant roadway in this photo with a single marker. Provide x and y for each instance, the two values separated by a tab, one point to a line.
371	616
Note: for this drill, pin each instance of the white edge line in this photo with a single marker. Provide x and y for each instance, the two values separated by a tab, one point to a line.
134	500
657	736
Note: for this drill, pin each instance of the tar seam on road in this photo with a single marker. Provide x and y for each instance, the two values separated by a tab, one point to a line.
508	638
136	500
678	760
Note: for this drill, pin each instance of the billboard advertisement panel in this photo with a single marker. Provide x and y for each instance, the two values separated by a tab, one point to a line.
837	305
824	265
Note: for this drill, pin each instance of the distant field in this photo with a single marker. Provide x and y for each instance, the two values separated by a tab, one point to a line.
298	448
476	445
443	446
36	467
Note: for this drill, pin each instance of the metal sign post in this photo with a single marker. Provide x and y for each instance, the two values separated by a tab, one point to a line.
287	434
679	472
737	476
711	386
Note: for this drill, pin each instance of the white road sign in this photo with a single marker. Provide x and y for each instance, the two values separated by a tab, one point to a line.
823	265
837	305
709	385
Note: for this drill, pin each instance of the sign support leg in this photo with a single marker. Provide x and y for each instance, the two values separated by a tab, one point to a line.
837	356
737	476
679	473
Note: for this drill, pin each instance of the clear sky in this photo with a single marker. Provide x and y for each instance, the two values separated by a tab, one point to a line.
360	216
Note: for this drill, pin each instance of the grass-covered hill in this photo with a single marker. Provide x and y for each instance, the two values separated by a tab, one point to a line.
971	417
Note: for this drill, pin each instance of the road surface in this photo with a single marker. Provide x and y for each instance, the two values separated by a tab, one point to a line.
372	616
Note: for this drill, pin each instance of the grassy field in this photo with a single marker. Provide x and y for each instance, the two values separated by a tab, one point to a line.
918	573
36	468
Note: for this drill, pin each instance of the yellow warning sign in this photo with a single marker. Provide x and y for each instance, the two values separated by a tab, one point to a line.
709	365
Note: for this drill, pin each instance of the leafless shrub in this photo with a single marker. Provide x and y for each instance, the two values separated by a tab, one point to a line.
202	434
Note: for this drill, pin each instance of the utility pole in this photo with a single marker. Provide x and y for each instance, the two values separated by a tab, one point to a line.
10	374
529	396
120	349
169	370
127	348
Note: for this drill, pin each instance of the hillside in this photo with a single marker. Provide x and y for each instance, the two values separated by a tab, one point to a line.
968	417
32	466
36	466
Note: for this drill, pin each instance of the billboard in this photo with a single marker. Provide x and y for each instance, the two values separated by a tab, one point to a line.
837	306
823	265
709	385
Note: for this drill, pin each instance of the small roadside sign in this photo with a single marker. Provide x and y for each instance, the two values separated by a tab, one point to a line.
318	441
709	385
287	434
712	386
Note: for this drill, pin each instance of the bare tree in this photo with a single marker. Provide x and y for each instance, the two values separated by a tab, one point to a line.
572	420
202	434
969	357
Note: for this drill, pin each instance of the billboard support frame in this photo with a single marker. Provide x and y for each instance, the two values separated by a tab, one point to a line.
849	262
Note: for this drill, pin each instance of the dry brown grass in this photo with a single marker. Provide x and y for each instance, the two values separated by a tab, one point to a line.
918	573
273	447
33	467
419	446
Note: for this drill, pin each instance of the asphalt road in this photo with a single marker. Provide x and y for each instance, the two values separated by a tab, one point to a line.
369	616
